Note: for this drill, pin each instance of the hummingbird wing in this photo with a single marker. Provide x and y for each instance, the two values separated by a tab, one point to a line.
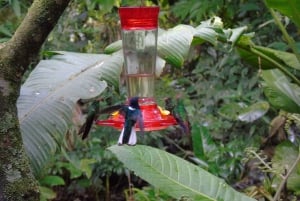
93	113
140	121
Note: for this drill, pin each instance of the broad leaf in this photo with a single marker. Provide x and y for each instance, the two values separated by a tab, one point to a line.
285	155
231	110
207	31
280	92
202	142
49	95
290	8
46	193
253	112
175	176
236	34
86	166
113	47
203	34
52	180
173	45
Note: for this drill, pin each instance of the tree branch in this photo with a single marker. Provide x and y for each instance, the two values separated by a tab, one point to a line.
25	44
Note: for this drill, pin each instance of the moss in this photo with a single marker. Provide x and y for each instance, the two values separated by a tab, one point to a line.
17	181
18	191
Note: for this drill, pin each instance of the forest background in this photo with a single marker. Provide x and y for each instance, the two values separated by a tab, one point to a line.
237	70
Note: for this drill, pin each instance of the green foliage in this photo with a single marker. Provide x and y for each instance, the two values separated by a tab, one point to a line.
218	87
287	8
282	96
173	175
148	194
242	112
285	155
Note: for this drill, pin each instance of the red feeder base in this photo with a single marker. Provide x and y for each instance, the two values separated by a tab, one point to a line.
154	118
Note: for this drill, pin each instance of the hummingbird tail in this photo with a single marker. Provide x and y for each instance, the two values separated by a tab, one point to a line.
130	140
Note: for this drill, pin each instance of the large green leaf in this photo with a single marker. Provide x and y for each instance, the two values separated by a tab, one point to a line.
48	97
280	92
175	176
290	8
173	45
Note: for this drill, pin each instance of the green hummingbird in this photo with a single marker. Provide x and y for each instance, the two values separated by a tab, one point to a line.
179	112
132	114
93	112
92	115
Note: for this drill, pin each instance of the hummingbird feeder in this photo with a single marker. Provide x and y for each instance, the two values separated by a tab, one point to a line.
139	39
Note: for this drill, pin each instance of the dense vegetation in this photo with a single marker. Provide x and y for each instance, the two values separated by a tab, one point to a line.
243	124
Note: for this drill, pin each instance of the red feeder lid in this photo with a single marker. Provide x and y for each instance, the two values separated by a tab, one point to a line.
154	119
134	18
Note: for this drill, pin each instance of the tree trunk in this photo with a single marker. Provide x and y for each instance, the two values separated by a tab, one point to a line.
16	180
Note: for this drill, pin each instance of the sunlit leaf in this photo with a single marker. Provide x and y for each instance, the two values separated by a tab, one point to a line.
174	44
46	193
236	34
203	34
113	47
253	112
86	166
52	180
175	176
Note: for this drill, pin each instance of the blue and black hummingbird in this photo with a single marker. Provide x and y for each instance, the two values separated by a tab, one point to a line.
132	115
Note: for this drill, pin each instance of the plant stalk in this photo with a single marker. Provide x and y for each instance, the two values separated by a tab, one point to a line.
286	36
279	66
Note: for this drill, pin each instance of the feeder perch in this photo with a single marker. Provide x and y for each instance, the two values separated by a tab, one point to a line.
139	39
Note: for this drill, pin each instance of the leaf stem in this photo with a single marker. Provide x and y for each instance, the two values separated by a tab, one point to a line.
287	37
279	66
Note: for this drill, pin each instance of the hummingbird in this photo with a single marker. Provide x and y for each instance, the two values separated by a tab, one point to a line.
179	112
93	112
92	115
132	114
